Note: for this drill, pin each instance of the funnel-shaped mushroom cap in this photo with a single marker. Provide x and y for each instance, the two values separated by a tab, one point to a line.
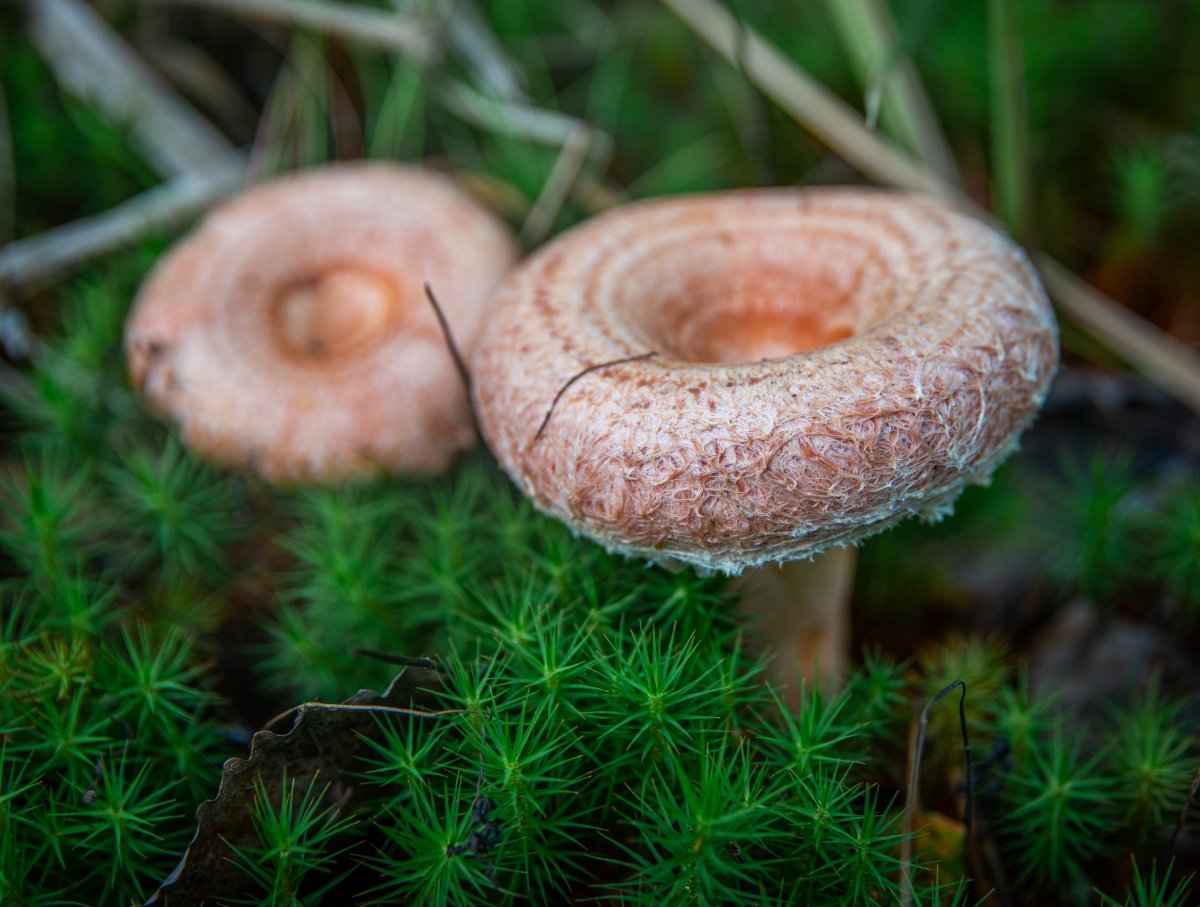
290	334
828	362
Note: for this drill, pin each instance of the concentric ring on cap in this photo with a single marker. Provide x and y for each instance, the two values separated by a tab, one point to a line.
829	361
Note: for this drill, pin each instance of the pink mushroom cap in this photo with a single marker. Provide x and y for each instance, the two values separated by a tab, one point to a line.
827	363
290	333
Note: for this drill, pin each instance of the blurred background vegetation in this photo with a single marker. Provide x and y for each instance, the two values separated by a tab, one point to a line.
157	611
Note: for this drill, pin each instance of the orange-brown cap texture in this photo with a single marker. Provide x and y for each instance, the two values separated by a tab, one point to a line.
828	362
290	334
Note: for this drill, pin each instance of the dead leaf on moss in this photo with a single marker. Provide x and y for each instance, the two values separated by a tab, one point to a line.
325	739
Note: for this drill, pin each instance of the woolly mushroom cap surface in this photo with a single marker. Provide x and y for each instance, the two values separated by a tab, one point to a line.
290	334
827	362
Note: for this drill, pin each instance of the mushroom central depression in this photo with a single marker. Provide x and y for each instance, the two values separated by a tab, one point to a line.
828	362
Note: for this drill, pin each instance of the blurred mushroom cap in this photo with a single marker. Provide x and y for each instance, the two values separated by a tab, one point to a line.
290	334
827	362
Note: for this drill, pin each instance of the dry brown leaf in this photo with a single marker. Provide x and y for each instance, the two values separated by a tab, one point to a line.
324	740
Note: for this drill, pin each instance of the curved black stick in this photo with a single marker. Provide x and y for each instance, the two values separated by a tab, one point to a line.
915	776
591	368
459	363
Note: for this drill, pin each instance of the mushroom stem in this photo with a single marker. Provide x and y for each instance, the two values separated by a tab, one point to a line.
800	614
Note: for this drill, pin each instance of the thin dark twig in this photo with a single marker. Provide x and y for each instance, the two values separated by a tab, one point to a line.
481	840
352	707
459	362
92	794
1183	814
129	735
915	776
404	661
390	709
591	368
